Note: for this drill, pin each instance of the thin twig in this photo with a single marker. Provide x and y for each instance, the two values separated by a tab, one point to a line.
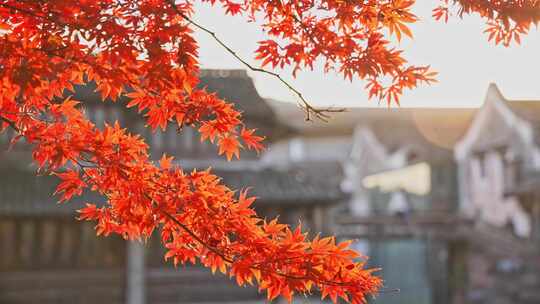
320	113
196	237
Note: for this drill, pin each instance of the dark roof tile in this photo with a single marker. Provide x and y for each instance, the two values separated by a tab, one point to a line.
308	183
24	194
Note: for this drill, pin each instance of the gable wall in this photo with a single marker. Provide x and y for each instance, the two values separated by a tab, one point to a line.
486	169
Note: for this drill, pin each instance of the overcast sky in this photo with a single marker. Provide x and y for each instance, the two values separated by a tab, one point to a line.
458	50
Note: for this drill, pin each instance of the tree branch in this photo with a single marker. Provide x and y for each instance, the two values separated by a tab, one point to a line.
257	266
320	113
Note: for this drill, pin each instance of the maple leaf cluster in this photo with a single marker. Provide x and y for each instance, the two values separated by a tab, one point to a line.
145	50
349	37
198	218
506	21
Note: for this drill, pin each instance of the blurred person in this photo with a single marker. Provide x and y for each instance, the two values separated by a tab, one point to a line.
399	205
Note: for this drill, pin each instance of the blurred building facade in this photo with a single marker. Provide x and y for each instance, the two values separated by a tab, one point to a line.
46	256
399	168
444	200
498	164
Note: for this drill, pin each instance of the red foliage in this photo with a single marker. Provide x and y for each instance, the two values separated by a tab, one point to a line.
148	46
506	20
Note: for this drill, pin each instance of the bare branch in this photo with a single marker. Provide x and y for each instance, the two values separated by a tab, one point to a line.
320	113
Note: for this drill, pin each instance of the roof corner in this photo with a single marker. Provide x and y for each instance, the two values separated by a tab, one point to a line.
493	94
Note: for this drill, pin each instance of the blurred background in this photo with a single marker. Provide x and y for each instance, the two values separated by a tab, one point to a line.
445	200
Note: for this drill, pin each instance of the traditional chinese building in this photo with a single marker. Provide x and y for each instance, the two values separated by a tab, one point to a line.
499	161
372	141
399	170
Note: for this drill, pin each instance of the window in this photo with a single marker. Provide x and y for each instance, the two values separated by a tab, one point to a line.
142	131
296	150
481	158
511	169
187	139
172	136
114	115
414	179
99	116
157	140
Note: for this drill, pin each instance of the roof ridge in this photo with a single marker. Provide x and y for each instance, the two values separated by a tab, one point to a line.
522	100
223	73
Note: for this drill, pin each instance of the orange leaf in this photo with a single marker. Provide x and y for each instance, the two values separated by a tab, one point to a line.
252	141
230	146
165	162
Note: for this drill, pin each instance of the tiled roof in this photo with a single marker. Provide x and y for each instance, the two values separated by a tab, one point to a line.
434	130
308	183
24	194
231	85
237	87
528	110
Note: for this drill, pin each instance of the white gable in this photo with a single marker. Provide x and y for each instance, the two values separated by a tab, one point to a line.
483	178
367	149
368	157
494	122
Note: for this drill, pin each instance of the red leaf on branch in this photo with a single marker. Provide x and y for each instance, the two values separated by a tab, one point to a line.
230	146
70	186
252	141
